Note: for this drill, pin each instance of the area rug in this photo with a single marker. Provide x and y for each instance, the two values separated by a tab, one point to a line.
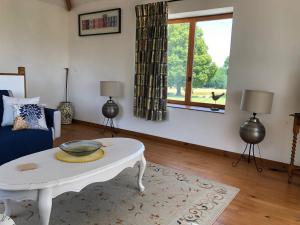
171	198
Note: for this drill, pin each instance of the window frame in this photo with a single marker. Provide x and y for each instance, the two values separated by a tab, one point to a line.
190	60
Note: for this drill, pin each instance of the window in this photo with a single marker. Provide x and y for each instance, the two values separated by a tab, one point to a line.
198	59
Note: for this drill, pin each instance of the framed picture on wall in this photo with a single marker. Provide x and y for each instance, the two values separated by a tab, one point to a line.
101	22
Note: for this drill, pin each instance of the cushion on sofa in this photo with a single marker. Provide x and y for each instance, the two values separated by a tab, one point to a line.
5	93
32	114
9	102
15	144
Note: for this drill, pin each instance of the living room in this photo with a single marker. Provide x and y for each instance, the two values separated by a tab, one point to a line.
43	36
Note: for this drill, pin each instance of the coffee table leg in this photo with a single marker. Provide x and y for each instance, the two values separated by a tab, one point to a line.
142	168
45	205
8	207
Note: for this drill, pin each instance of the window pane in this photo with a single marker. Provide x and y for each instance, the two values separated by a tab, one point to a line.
178	39
211	58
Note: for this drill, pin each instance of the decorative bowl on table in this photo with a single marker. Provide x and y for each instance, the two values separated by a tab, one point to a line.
80	148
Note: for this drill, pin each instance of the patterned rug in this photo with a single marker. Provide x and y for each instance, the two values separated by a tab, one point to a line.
171	198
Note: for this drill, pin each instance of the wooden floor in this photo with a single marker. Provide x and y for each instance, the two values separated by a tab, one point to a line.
264	198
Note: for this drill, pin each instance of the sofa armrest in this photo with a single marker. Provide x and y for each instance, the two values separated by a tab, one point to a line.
53	119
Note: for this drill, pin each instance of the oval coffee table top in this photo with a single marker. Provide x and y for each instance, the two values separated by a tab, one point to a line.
51	172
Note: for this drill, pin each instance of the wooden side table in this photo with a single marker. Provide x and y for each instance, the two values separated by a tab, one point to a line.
296	128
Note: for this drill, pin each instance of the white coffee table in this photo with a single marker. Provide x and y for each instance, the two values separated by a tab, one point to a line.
53	177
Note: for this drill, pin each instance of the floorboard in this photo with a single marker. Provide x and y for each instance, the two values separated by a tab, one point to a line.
264	199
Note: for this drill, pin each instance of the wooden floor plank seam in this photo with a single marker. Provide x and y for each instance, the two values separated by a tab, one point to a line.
265	199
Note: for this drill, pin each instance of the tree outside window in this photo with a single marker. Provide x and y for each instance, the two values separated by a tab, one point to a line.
198	59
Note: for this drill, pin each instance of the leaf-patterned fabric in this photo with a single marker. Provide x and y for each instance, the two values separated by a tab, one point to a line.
31	116
150	94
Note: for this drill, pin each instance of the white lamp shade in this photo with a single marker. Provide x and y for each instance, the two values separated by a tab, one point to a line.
111	88
257	101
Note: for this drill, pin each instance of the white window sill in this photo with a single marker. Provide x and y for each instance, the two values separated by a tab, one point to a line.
196	108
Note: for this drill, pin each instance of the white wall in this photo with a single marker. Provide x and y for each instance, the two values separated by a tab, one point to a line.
265	55
34	34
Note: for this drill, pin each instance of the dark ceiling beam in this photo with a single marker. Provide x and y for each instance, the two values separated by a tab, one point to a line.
175	0
68	5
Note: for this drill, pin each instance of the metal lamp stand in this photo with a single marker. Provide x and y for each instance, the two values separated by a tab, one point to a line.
253	131
250	154
110	110
109	122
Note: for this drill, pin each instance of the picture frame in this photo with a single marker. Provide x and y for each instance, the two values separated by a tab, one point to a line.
100	22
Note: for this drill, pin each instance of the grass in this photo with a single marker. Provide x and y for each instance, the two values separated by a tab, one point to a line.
202	95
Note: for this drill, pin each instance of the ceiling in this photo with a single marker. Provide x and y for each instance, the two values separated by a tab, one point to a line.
62	2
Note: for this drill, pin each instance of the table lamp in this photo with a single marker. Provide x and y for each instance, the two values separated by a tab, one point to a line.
253	131
110	109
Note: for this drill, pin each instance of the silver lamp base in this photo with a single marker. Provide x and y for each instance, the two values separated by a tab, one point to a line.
252	132
110	110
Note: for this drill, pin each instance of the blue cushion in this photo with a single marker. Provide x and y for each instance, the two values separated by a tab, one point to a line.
15	144
6	93
49	114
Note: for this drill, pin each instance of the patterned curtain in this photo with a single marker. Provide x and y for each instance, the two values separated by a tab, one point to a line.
150	89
